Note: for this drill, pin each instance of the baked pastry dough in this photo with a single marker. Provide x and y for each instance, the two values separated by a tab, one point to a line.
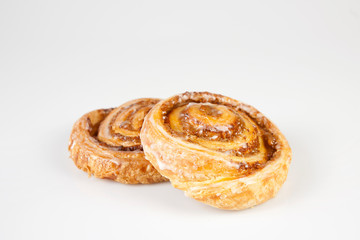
106	143
218	150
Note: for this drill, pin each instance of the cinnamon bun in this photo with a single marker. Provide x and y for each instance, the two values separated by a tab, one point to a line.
106	143
218	150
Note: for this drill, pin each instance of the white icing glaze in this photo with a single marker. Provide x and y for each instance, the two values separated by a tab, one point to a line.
162	165
72	144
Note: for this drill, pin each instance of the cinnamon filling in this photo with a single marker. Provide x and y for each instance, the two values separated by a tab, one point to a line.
119	129
218	125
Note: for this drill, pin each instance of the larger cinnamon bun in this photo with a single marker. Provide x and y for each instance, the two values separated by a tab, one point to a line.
106	143
218	150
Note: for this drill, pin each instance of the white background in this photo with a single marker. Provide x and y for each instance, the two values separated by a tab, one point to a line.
296	61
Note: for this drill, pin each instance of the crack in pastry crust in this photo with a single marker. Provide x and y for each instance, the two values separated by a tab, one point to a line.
106	143
218	150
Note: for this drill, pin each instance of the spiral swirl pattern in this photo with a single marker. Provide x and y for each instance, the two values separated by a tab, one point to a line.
106	143
218	150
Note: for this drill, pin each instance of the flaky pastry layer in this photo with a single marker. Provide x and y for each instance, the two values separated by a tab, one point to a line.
105	143
218	150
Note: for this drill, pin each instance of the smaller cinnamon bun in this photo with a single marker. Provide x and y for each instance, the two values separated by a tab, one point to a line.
106	143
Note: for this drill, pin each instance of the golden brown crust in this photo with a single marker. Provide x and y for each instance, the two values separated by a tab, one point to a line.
105	143
218	150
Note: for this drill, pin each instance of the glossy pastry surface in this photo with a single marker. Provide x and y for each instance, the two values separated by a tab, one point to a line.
218	150
106	143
